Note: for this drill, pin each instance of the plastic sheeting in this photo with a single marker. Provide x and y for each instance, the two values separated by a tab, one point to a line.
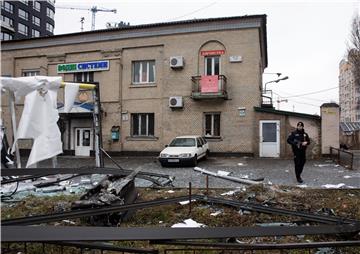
39	118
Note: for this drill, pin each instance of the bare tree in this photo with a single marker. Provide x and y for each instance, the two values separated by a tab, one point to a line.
354	48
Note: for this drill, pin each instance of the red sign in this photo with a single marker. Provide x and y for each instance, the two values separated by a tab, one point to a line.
209	84
212	52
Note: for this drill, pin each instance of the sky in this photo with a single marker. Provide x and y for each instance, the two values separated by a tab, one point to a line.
306	39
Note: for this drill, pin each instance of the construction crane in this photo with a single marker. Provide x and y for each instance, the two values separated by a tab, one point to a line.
93	9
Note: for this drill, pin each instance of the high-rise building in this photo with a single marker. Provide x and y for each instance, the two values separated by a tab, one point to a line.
349	93
27	19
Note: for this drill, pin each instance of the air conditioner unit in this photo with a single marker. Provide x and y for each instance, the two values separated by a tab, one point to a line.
175	102
176	62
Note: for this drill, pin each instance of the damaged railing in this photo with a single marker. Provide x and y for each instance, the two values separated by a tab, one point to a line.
342	157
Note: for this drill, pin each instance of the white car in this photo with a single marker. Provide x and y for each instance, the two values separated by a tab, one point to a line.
184	150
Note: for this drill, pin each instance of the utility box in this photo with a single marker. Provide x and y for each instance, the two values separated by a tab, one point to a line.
115	133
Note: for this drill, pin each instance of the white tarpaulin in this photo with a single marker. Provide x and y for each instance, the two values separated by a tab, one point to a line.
39	118
71	91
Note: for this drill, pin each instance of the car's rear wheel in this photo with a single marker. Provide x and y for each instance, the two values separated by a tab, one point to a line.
206	154
163	164
195	161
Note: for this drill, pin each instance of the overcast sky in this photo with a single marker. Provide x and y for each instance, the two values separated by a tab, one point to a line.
306	39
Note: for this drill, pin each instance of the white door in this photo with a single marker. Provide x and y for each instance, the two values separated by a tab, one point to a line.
269	138
83	141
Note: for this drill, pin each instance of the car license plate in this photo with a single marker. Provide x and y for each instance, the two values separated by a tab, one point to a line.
173	160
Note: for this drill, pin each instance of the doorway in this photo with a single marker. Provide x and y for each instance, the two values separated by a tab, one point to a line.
83	141
269	138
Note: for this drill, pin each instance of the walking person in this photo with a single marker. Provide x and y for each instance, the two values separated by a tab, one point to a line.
299	140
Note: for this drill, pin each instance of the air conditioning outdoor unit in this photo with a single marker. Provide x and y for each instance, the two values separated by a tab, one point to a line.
175	102
176	62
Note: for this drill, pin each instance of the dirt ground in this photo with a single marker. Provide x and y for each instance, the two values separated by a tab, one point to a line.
339	202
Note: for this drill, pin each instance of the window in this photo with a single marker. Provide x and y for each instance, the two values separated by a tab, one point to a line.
22	29
52	2
37	5
49	27
24	2
84	77
35	20
212	65
6	36
7	21
7	6
212	124
23	14
142	124
143	71
50	13
35	33
29	73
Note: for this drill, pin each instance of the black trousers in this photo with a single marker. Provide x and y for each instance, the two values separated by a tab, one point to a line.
299	159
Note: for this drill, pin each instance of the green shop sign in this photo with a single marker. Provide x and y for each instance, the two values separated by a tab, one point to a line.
83	67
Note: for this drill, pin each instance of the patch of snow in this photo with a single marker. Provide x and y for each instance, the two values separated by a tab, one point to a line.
328	186
347	177
171	191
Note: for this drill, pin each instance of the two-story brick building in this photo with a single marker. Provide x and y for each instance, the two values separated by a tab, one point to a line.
158	81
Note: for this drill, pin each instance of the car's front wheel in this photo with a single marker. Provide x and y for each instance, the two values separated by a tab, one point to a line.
195	161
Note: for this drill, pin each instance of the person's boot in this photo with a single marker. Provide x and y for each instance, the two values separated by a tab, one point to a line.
299	180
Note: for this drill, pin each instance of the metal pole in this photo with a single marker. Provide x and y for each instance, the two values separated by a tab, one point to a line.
97	127
13	125
189	197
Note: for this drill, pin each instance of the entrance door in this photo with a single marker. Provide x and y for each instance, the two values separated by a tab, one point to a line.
83	141
269	138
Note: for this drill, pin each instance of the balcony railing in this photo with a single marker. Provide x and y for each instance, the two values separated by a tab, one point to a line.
267	99
209	87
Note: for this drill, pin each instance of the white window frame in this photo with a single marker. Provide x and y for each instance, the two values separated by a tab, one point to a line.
8	21
26	32
7	6
35	33
36	20
49	27
6	36
147	79
212	64
50	13
30	73
147	134
25	15
212	128
26	2
85	76
35	4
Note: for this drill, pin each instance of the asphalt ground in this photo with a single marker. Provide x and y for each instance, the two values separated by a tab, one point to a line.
322	173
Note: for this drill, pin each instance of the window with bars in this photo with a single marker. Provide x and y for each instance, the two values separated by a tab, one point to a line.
143	72
212	124
142	124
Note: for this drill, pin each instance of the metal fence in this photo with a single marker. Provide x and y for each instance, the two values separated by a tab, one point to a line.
342	157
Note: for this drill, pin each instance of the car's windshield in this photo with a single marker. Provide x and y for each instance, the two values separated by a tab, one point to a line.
182	142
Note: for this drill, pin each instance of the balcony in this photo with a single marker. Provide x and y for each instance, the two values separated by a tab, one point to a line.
209	87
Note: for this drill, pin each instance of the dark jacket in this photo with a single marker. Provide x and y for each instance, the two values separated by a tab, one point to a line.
296	138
